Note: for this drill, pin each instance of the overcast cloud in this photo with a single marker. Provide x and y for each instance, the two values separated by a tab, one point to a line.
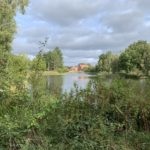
83	29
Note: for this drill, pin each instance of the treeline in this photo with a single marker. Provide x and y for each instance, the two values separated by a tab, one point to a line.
134	60
54	59
51	60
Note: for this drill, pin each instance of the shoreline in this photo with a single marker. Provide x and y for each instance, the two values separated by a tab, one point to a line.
46	73
55	73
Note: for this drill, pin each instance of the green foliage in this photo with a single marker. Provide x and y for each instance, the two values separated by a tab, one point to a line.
91	69
107	63
62	70
18	4
19	64
7	26
38	63
7	23
101	116
7	29
136	58
54	59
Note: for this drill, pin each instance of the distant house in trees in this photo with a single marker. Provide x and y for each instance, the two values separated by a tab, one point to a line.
80	67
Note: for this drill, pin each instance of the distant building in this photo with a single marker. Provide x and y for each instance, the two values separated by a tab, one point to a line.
83	66
80	67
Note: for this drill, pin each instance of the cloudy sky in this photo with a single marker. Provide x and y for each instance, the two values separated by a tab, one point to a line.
83	29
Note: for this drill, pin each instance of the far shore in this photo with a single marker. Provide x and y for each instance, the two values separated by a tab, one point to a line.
55	73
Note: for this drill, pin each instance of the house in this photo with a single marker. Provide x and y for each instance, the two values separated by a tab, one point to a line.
83	66
80	67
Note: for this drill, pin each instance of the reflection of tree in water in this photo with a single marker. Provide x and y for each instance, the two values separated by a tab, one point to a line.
38	87
54	85
51	85
139	88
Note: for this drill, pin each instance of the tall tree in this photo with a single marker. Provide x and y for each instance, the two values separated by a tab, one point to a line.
58	59
18	4
136	57
8	9
54	59
105	62
38	63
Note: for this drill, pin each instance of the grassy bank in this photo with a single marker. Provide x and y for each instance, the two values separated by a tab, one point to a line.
47	73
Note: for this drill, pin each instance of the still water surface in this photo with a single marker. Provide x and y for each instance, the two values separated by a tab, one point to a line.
56	85
67	81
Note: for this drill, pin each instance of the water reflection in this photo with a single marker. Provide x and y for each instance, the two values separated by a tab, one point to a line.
38	86
56	85
81	79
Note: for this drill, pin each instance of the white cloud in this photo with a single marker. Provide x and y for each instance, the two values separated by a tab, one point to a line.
83	29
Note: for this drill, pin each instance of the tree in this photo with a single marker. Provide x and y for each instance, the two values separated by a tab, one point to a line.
7	27
18	4
19	64
115	64
136	57
146	58
49	60
7	30
106	63
38	63
58	59
8	9
54	59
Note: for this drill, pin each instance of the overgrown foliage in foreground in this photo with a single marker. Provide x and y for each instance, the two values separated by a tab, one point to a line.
113	116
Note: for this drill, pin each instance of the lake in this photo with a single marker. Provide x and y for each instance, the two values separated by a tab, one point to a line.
66	82
56	85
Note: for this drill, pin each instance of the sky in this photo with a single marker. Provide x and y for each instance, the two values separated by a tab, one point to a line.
82	29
